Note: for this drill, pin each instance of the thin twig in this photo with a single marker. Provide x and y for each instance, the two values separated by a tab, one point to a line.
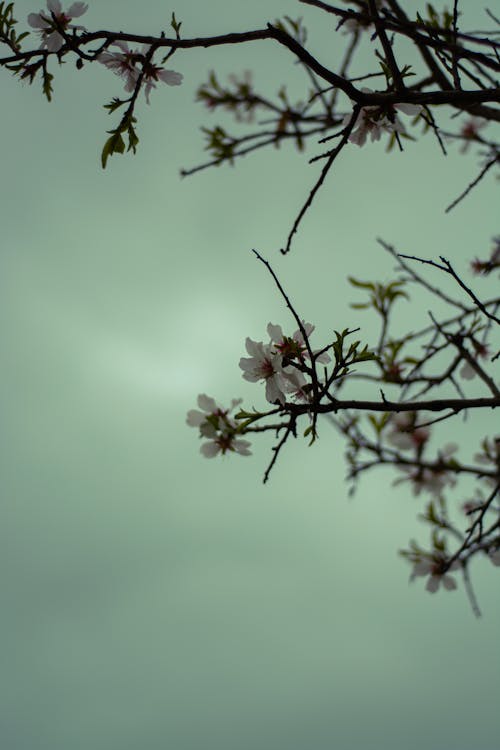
473	184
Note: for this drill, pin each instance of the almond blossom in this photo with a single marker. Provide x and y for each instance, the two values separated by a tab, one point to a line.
436	568
294	347
375	120
128	64
47	24
404	435
214	423
265	364
431	479
122	64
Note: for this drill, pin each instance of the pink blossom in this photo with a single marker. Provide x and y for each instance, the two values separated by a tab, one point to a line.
431	479
47	25
129	64
264	364
436	568
294	347
215	424
404	435
122	64
375	120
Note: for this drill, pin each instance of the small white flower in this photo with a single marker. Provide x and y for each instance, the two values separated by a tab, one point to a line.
47	26
403	434
214	423
224	443
128	64
297	386
436	569
264	364
374	120
122	64
209	408
294	347
429	480
154	73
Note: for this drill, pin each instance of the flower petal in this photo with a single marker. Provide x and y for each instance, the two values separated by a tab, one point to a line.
275	333
54	6
409	109
170	77
206	403
195	418
36	21
421	568
449	583
242	447
248	365
54	42
77	9
273	391
209	450
433	584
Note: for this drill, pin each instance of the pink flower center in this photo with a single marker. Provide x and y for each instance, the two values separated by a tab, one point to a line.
224	443
266	369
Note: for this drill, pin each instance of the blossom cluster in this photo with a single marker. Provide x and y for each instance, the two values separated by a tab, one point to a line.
373	121
49	25
405	435
129	64
217	427
436	568
281	363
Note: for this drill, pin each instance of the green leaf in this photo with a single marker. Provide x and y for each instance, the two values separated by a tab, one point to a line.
47	85
114	144
361	284
310	431
176	25
114	104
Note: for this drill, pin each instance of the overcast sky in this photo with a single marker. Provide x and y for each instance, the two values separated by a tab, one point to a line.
154	599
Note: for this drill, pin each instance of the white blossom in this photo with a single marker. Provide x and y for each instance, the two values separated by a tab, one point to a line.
294	346
436	568
404	435
215	424
47	26
128	65
264	364
122	64
376	120
431	480
224	443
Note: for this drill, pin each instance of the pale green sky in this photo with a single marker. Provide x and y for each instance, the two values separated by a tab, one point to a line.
153	599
